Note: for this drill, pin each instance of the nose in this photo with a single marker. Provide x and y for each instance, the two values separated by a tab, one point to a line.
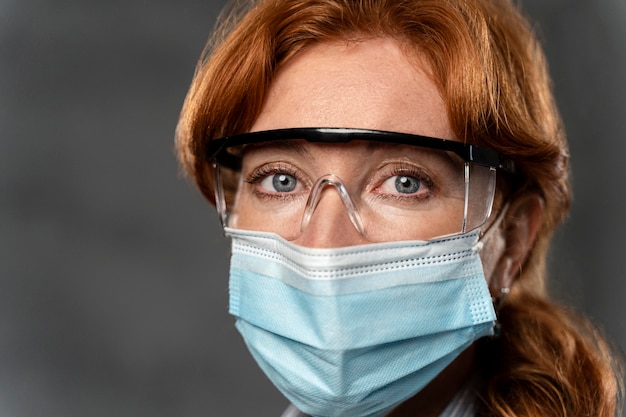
330	219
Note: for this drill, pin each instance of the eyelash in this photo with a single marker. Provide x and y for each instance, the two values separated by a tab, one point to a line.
259	174
390	171
384	174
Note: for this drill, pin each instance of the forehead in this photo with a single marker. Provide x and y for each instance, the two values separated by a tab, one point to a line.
370	84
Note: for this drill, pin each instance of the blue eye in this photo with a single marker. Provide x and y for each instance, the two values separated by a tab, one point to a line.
404	183
407	185
281	183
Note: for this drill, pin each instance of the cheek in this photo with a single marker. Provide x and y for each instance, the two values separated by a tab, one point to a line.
248	213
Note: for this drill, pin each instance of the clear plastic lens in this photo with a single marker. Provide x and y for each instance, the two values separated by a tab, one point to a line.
398	192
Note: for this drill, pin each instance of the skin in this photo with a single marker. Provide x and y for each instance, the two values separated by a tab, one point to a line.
373	85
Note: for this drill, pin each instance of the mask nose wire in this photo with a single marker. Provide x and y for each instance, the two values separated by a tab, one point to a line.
331	180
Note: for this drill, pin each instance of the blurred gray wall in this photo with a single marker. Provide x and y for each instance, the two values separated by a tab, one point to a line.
113	271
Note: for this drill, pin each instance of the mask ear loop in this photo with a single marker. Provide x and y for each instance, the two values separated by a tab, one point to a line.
498	300
497	306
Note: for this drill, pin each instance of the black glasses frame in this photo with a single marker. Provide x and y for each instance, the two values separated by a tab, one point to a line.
217	149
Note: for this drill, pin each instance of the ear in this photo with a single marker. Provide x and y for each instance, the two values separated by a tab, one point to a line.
520	227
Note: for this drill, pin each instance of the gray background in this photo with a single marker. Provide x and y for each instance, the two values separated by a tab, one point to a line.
113	272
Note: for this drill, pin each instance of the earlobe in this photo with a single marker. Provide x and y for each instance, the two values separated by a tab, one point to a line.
520	228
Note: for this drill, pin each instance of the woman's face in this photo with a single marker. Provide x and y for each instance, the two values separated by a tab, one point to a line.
369	85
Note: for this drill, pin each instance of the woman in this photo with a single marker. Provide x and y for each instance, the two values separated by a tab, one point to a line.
391	173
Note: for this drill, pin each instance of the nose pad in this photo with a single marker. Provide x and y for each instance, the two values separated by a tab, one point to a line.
330	180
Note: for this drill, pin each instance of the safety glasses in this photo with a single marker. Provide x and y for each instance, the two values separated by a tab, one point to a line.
393	186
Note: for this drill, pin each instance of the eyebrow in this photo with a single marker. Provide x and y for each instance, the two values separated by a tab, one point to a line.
302	146
293	145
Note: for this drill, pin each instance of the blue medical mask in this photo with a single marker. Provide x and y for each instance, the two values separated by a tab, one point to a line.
354	331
